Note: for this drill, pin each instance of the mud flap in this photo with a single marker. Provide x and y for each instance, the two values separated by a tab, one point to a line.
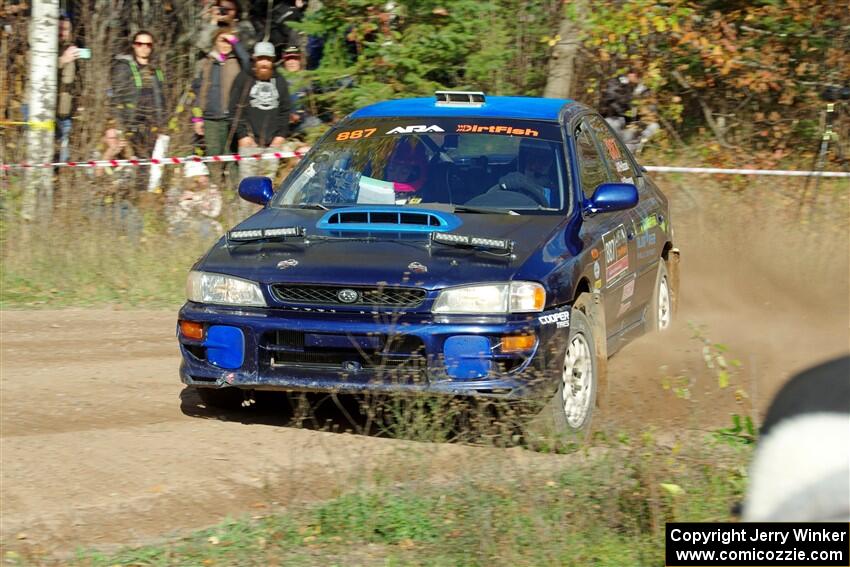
673	278
591	305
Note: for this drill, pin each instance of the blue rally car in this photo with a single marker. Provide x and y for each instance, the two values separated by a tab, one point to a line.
462	245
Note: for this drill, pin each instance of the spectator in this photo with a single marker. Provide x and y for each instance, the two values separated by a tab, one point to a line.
619	109
195	207
211	89
273	26
259	106
300	89
315	51
68	86
224	14
137	94
115	191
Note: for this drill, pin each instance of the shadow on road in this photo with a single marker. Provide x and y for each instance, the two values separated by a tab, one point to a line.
417	418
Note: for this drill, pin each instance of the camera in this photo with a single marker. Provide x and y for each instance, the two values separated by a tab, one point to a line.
834	93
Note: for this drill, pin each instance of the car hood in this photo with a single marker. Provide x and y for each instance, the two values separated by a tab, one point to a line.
366	257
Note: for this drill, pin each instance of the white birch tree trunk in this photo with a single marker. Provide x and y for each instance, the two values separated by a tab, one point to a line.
43	40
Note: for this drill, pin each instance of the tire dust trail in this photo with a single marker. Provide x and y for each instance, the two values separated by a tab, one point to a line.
95	450
773	290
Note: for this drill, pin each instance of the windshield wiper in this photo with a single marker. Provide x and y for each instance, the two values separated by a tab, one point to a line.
317	206
483	210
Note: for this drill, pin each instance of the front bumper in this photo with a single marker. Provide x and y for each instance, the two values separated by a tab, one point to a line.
378	353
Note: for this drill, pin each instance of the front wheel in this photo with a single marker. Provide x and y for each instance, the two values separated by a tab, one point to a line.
576	396
564	422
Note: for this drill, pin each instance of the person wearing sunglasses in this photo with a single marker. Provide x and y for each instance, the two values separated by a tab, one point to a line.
138	99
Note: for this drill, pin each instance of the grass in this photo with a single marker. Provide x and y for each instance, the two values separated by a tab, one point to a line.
606	510
78	262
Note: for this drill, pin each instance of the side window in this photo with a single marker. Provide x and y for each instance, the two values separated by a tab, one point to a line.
616	158
591	167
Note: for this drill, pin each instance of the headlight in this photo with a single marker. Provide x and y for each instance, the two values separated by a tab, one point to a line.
205	287
514	297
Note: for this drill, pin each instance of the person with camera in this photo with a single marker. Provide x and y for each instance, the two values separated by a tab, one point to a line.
211	91
113	198
620	108
68	84
224	14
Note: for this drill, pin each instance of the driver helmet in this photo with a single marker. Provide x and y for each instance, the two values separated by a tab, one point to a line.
408	164
535	156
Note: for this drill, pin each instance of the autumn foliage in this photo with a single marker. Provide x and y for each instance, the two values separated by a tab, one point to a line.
747	73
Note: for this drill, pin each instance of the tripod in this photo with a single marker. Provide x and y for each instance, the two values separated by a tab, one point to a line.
829	135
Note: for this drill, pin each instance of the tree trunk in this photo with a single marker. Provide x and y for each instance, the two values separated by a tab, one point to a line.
562	65
43	40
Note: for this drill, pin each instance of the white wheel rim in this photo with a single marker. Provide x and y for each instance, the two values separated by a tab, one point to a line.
663	305
578	381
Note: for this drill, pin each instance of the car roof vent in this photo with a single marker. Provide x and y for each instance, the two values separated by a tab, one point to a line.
394	219
460	98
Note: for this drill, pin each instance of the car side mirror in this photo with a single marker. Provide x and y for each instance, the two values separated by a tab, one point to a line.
610	197
256	189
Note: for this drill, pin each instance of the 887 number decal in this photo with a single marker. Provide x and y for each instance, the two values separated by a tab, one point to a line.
355	134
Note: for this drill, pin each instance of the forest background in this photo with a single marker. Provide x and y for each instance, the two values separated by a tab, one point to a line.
740	80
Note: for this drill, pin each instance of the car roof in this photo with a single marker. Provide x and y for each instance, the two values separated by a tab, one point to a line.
520	107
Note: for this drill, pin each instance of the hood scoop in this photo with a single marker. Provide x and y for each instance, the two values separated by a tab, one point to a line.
390	219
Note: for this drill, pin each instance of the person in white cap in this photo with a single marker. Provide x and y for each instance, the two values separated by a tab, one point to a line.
195	208
259	103
259	108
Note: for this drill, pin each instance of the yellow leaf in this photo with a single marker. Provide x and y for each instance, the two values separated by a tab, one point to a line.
672	489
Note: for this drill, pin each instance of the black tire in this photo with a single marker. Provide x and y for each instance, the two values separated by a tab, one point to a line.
565	421
661	309
222	398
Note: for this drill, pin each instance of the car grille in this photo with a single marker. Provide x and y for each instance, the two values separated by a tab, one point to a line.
397	297
287	348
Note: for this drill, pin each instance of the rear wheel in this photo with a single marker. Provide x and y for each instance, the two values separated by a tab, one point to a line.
222	398
660	315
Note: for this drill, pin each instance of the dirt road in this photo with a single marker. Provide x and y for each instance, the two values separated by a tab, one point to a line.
99	448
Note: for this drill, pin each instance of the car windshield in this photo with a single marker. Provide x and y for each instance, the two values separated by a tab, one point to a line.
484	165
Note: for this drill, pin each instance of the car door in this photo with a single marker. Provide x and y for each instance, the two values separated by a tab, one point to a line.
608	233
646	221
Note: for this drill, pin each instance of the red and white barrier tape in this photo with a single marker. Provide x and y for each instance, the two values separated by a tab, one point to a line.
155	161
723	171
300	153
